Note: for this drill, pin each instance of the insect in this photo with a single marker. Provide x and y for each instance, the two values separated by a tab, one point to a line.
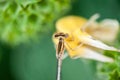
73	37
60	51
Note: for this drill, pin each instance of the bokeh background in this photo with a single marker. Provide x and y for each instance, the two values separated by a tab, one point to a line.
26	48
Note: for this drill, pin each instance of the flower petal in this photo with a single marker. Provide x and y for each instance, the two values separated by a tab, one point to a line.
85	52
91	23
69	24
106	30
96	43
90	54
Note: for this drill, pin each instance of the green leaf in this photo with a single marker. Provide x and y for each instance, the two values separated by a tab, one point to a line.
26	2
115	75
23	20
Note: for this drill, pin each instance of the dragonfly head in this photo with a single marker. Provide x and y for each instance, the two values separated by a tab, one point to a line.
60	35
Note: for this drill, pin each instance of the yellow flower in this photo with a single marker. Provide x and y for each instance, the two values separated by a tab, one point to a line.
84	36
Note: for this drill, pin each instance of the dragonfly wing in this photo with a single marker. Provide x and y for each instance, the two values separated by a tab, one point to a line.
65	55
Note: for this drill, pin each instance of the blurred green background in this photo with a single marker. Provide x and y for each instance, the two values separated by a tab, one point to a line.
33	58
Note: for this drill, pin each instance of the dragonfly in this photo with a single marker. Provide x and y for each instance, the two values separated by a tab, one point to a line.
73	36
60	48
60	51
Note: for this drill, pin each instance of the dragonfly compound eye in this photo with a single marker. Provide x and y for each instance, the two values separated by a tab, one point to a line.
61	35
